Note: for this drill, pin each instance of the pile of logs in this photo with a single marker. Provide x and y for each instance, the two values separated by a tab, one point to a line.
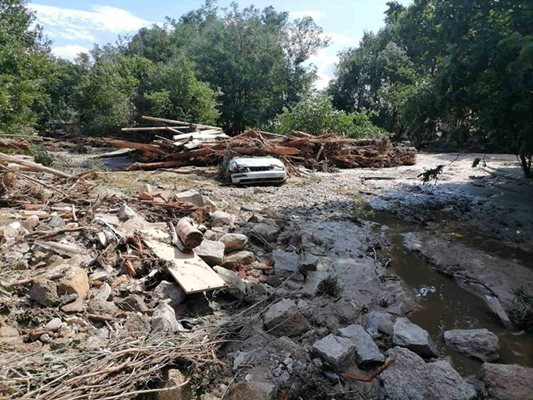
206	145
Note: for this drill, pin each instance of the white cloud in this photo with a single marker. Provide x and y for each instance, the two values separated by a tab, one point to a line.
315	14
69	52
342	40
75	24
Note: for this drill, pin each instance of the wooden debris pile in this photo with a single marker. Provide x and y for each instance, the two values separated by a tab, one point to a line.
208	145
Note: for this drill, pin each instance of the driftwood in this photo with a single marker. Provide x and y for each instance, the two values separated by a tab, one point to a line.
34	166
369	377
188	234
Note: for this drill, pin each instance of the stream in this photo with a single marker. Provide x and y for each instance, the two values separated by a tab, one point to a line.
443	305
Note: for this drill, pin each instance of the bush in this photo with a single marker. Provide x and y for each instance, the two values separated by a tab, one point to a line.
316	115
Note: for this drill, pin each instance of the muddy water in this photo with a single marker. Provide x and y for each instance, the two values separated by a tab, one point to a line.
443	305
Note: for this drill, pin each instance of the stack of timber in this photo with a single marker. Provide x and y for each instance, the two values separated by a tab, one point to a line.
208	145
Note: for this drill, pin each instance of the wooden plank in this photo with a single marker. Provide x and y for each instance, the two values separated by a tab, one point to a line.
173	121
189	270
153	128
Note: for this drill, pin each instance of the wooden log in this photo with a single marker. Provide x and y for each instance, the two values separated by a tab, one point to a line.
153	128
34	166
150	148
155	165
189	235
176	122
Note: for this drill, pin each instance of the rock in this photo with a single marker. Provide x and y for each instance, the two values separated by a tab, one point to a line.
202	228
137	324
407	334
100	307
377	322
285	262
410	377
190	196
74	307
125	212
234	241
212	235
54	324
251	390
478	343
284	319
169	292
507	381
266	230
14	231
221	218
164	319
183	392
237	287
56	221
211	251
337	351
366	351
74	281
134	302
243	257
103	293
44	292
31	222
8	331
309	262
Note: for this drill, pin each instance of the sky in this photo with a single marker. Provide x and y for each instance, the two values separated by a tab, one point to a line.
74	26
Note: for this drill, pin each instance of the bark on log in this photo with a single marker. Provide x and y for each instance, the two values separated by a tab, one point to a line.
188	234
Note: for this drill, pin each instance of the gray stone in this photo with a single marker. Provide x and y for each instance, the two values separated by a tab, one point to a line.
410	377
56	221
235	259
125	212
251	390
221	218
54	324
134	302
266	230
100	307
478	343
309	262
169	292
337	351
190	196
366	351
234	241
211	251
407	334
103	293
507	381
284	319
236	286
31	222
285	262
377	322
44	292
164	320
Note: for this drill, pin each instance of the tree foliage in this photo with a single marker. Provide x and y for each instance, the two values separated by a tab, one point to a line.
455	71
316	115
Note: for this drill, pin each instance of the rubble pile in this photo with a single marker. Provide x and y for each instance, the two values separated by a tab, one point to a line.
210	146
167	294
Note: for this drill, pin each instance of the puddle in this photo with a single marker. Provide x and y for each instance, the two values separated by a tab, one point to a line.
443	305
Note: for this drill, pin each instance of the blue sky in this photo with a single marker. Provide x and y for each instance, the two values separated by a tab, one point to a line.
74	26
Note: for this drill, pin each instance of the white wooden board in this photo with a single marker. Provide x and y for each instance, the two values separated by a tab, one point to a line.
189	270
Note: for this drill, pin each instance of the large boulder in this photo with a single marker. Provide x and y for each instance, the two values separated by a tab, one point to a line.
211	251
410	377
284	319
478	343
410	335
337	351
234	241
366	351
379	322
507	381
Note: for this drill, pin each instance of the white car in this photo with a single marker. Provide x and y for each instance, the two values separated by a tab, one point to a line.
251	170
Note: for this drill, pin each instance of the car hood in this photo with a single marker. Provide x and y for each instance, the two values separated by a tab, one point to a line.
257	162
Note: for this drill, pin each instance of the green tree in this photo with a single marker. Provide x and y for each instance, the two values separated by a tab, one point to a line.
316	115
24	62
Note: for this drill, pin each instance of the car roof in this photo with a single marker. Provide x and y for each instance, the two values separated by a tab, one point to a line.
257	161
